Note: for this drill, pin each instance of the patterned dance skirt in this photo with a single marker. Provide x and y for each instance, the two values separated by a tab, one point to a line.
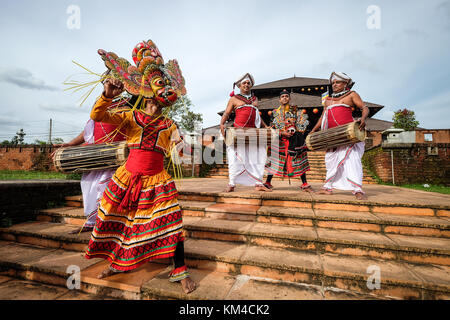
281	164
150	226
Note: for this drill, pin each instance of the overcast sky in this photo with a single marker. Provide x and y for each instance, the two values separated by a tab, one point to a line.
403	63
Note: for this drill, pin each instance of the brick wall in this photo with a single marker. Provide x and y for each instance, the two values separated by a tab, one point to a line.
438	135
26	158
413	163
20	200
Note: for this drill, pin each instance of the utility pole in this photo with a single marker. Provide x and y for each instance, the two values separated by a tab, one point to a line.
50	133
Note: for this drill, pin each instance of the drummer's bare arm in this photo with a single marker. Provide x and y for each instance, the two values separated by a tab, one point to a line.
74	142
357	101
112	88
226	115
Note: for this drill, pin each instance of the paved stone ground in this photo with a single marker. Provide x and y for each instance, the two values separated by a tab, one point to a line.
16	289
374	192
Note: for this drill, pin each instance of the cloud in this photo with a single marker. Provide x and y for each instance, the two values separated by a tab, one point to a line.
416	33
24	79
9	122
63	107
360	60
432	111
383	43
385	114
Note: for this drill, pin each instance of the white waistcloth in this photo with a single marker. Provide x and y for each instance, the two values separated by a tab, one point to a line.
246	163
344	168
93	184
88	132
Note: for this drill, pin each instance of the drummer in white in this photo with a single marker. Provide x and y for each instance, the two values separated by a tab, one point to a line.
93	183
344	168
245	162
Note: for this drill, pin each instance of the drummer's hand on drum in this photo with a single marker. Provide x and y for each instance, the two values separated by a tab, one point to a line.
362	124
112	88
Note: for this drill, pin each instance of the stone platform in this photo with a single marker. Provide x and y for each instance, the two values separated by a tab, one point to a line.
286	244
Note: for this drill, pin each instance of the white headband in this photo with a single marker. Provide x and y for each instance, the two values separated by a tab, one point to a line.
341	76
245	77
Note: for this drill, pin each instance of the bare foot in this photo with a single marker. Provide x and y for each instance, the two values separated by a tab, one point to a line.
229	189
106	273
359	196
306	188
188	285
83	229
262	188
324	191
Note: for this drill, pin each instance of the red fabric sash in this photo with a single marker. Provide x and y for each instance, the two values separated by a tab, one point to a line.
338	116
140	163
102	133
289	168
245	117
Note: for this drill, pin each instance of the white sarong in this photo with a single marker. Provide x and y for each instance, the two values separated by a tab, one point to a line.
246	163
93	183
344	167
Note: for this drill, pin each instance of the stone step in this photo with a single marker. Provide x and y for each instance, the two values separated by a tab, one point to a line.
19	289
310	177
41	267
323	202
311	173
315	202
74	201
398	279
421	250
424	226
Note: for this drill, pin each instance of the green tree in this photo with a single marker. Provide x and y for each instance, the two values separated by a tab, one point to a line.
405	119
40	142
20	136
14	141
191	120
57	140
181	113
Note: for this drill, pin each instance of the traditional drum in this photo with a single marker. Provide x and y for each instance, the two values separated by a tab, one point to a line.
338	136
91	157
257	136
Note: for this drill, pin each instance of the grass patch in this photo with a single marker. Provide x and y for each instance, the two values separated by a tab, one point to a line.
39	175
432	188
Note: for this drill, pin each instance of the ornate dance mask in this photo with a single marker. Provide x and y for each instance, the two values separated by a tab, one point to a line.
150	78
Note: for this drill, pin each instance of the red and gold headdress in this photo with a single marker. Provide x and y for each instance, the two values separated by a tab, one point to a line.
150	77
